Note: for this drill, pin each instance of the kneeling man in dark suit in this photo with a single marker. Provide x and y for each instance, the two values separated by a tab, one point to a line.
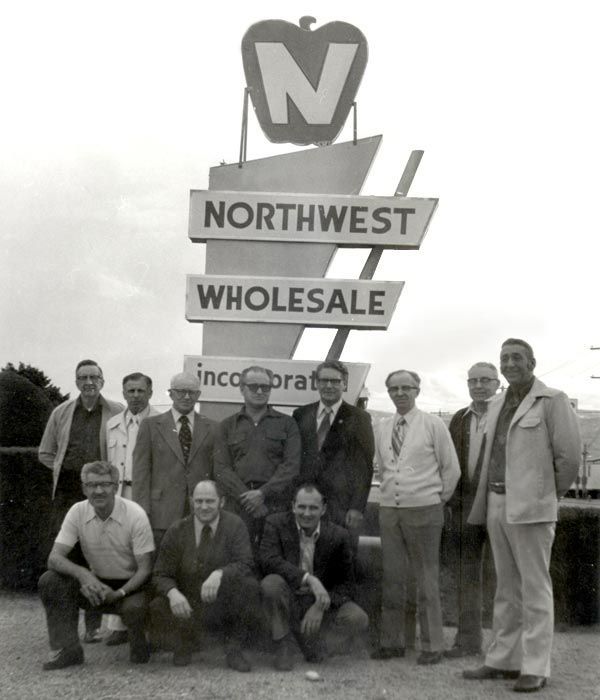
204	574
309	577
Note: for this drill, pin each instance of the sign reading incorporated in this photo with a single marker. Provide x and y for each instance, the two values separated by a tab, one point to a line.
391	222
314	302
302	82
294	381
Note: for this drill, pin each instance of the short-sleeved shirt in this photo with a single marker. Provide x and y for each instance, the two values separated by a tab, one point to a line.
110	546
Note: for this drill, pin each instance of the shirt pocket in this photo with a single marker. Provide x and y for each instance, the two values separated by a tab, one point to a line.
530	422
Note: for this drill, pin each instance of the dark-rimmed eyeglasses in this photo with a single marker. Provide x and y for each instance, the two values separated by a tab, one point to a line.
254	388
484	381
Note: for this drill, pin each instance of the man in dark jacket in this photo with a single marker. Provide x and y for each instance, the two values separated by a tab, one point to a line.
307	563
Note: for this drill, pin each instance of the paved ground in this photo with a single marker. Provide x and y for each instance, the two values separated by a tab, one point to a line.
108	675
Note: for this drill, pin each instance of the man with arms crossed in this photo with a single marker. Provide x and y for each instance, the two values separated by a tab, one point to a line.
531	458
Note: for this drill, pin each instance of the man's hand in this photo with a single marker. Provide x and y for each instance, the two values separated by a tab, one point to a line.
311	622
253	502
354	519
112	596
93	589
179	604
210	588
322	598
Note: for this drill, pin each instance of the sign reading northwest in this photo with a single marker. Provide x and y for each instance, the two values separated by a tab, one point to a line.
391	222
314	302
302	83
294	381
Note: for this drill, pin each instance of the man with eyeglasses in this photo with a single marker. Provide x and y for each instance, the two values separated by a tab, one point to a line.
116	541
258	456
419	472
76	434
173	452
337	448
467	429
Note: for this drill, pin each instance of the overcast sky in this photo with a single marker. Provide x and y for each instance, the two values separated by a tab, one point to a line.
112	112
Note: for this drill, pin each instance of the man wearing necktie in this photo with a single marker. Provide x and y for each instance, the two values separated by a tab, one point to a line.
121	436
173	452
204	578
419	471
337	448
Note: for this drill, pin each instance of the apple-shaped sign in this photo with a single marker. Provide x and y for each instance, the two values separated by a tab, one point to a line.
302	83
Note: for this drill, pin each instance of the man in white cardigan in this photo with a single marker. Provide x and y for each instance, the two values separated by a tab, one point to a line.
419	471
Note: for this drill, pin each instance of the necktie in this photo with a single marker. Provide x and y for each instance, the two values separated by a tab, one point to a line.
398	436
324	427
185	436
204	544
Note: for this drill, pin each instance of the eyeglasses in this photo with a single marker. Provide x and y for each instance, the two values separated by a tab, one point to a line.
333	382
93	485
404	388
484	381
182	393
265	388
89	377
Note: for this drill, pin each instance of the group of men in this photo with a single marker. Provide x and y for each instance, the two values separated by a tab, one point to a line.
266	494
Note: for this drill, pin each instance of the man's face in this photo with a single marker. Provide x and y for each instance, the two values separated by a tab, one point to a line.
308	507
184	393
136	393
482	383
89	381
331	385
403	390
100	491
516	365
256	389
206	502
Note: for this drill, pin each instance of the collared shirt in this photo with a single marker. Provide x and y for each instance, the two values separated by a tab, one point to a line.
176	416
514	396
198	527
110	546
477	426
307	548
84	437
322	409
132	423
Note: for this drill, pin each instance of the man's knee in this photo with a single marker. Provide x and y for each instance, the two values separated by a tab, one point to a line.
352	617
274	586
53	586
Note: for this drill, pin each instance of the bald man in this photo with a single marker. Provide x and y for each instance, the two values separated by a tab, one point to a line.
173	452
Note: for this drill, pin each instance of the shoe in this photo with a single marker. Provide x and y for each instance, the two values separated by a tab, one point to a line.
237	661
427	658
385	653
93	636
117	637
139	653
284	660
529	684
70	656
182	657
484	673
457	652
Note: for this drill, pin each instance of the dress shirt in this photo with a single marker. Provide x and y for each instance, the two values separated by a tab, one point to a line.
132	423
176	416
307	553
198	527
322	409
477	426
84	437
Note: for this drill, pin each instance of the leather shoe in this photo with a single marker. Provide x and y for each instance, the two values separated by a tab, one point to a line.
385	653
139	653
314	653
237	661
457	652
70	656
284	660
117	637
529	683
427	658
484	673
182	657
93	636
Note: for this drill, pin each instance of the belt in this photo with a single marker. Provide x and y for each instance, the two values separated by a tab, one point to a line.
126	482
497	487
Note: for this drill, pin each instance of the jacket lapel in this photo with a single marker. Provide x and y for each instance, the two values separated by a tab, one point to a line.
166	426
198	436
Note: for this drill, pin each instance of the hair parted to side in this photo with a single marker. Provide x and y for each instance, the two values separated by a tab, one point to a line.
333	364
414	375
255	368
136	376
100	469
83	363
522	343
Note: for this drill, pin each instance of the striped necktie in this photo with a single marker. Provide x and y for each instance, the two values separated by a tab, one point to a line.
398	436
324	427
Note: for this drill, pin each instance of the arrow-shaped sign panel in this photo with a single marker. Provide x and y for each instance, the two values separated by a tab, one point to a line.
365	304
348	221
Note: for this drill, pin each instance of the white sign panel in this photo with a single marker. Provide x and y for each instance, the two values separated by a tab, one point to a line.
350	221
294	381
364	304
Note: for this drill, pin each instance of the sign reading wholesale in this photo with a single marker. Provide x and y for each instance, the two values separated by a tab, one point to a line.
315	302
294	381
351	221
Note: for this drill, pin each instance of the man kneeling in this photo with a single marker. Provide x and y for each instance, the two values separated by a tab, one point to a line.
309	576
204	575
117	543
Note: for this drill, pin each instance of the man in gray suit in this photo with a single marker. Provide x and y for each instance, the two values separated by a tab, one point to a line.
173	452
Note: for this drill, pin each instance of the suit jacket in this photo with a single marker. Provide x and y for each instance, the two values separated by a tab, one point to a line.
343	467
162	480
280	554
178	565
543	451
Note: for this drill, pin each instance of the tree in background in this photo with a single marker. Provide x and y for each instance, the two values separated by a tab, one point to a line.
38	378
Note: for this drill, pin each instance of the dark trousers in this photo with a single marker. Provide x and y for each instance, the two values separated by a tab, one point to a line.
471	540
235	612
62	600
